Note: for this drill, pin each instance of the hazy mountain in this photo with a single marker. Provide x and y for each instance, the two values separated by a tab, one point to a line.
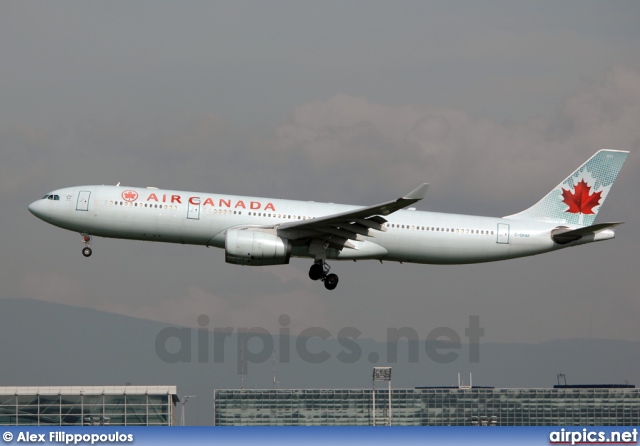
52	344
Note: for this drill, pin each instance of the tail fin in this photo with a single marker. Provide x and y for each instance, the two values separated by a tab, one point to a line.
578	199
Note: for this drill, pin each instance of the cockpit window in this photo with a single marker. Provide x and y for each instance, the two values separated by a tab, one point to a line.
45	197
51	197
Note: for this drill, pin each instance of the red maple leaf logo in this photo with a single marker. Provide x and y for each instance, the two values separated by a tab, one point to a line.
129	195
580	202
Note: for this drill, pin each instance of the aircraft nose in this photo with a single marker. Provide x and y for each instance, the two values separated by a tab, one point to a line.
35	208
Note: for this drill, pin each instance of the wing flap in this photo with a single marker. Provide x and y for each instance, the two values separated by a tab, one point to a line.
376	222
340	233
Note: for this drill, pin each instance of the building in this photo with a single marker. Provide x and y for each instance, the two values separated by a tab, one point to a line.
77	406
589	405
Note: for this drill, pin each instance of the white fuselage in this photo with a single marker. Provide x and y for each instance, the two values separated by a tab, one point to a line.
202	219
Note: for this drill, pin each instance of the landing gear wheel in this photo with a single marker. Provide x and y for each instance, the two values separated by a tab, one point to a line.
320	271
331	281
316	271
86	238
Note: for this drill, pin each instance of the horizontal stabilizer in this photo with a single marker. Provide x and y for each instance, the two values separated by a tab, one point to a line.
563	235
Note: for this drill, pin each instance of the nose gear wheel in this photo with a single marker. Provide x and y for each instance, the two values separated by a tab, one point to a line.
86	251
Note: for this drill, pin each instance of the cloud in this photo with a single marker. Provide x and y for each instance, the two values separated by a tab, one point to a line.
606	115
394	147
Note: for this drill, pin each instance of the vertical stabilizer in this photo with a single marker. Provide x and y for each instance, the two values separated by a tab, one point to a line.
578	199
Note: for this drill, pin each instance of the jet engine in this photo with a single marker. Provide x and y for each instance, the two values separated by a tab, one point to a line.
247	246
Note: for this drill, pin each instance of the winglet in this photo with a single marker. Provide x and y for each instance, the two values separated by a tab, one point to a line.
418	193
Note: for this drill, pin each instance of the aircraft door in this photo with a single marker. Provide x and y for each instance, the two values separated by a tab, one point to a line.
193	212
83	200
503	233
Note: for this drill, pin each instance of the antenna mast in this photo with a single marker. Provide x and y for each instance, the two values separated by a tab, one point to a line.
274	369
242	367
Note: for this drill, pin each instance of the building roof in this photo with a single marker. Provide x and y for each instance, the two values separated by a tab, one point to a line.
594	386
90	390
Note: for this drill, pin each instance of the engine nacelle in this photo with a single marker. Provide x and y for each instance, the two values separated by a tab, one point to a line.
246	246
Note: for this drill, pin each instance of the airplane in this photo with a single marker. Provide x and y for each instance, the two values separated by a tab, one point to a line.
265	231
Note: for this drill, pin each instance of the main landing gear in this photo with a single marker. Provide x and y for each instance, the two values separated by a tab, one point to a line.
86	251
320	271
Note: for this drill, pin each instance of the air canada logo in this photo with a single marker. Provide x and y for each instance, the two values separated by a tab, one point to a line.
580	201
129	195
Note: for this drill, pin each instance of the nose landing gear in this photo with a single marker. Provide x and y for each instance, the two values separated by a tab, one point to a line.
320	271
86	251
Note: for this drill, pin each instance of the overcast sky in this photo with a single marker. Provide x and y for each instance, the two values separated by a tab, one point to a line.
493	103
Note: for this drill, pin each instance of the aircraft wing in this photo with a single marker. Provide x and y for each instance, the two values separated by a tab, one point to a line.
338	229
